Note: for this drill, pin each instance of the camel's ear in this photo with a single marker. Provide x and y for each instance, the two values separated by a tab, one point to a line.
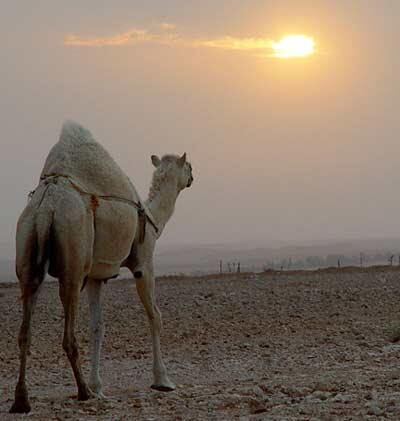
182	160
155	160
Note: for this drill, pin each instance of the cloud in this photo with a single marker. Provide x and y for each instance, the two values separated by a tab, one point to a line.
231	43
167	26
129	37
161	33
132	36
164	36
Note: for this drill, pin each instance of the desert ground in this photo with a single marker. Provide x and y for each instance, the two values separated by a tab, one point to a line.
277	346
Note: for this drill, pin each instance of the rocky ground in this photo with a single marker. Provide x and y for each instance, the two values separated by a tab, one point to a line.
276	346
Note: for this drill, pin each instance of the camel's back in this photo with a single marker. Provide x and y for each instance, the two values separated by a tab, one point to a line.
79	156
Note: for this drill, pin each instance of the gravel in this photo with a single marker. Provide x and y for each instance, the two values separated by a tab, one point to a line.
281	346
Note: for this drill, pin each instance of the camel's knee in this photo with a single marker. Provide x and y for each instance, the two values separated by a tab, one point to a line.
96	321
66	345
70	347
96	328
157	314
155	317
22	339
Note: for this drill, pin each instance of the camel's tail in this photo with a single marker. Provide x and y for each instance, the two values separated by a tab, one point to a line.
33	249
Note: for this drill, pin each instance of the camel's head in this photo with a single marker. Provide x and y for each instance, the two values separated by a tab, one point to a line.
174	168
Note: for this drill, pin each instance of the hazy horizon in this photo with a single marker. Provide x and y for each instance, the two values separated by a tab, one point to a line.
200	259
283	151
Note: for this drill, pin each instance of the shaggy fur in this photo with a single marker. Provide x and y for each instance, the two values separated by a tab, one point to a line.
78	155
162	175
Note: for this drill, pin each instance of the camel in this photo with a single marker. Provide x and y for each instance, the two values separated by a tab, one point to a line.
83	223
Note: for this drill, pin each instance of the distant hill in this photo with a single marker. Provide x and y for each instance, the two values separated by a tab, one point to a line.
203	259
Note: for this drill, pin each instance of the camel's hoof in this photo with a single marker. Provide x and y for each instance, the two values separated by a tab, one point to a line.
20	407
163	387
101	396
84	394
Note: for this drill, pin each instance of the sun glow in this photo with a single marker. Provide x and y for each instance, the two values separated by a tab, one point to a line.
294	46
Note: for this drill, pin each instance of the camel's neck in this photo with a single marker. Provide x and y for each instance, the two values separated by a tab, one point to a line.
161	203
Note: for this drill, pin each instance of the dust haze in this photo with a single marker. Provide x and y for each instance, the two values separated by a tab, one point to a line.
283	153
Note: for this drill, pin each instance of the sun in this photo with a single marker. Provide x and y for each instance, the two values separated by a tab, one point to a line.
292	46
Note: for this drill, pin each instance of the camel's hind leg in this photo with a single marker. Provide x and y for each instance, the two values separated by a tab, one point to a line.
73	239
93	288
69	294
145	288
29	297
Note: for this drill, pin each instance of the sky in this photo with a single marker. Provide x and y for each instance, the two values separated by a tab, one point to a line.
283	150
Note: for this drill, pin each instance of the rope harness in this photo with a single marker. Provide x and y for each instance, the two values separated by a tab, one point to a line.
143	215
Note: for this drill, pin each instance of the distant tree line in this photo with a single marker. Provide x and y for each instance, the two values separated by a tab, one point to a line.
333	260
229	266
313	262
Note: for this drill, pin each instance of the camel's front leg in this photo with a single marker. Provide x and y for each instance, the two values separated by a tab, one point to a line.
96	334
145	287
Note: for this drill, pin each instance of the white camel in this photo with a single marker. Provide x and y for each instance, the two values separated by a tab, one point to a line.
84	221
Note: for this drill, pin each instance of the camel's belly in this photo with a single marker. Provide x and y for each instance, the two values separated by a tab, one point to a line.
104	271
115	230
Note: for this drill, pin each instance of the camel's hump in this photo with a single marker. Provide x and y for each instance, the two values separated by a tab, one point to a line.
73	131
79	156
